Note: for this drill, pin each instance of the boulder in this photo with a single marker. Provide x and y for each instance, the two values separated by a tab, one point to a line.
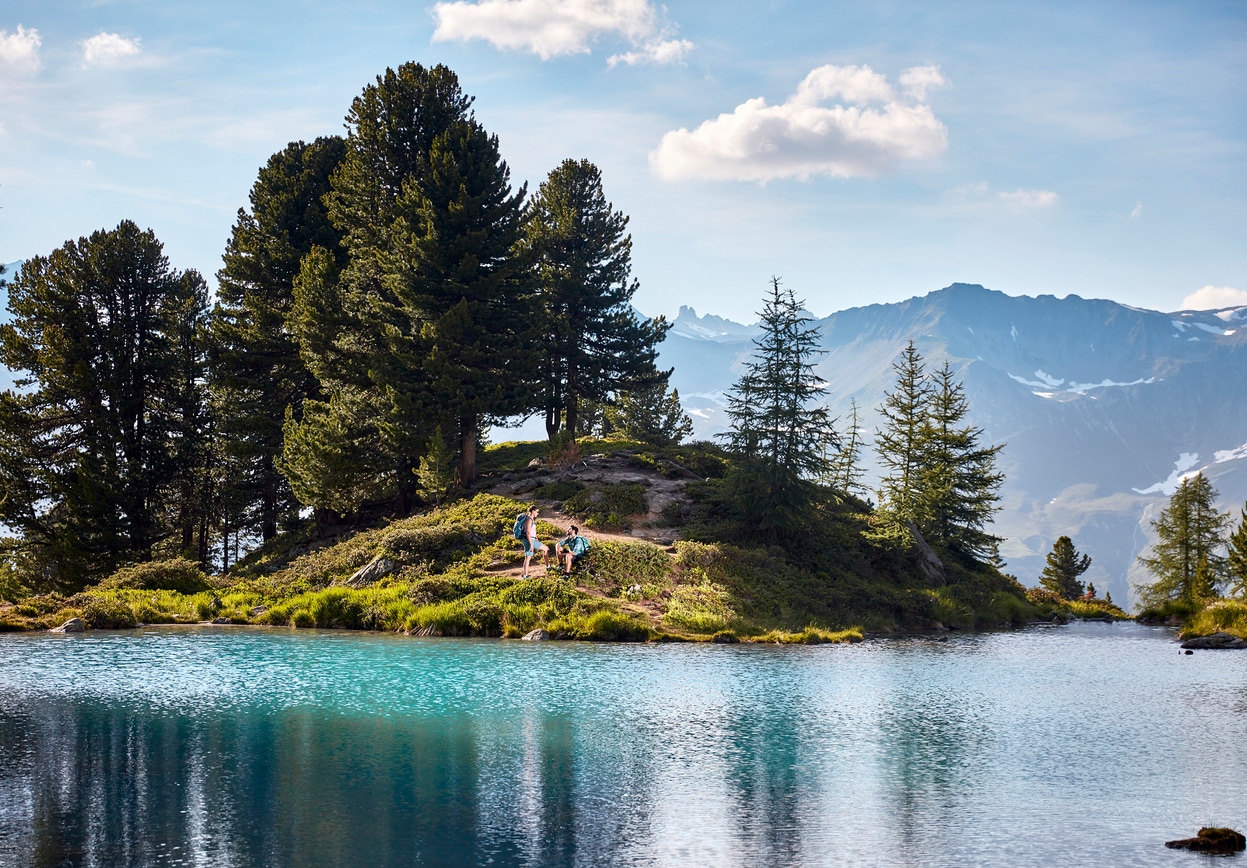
1215	842
537	635
929	563
73	625
221	621
256	610
1217	641
368	574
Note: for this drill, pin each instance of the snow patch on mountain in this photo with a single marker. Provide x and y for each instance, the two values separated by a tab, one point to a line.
1047	381
1181	470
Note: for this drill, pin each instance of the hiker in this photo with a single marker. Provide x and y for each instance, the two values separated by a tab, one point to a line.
527	534
572	547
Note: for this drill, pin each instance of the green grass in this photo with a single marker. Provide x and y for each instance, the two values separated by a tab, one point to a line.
1222	616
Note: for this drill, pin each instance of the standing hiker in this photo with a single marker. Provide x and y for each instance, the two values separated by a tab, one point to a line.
528	536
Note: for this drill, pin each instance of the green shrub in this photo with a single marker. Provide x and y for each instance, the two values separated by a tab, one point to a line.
102	613
607	626
608	507
699	609
615	563
564	489
1222	616
534	592
176	574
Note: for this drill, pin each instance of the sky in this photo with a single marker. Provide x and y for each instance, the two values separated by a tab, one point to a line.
864	152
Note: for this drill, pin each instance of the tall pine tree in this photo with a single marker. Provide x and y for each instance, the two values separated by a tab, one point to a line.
593	340
256	368
778	434
901	441
1062	569
1236	555
1186	558
101	439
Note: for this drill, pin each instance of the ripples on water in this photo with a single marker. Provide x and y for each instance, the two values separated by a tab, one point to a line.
1090	744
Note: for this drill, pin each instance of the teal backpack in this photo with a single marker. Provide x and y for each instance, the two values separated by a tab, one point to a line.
518	531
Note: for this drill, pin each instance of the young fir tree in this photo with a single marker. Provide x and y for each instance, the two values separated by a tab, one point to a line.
1185	558
958	480
651	415
256	370
1236	555
901	442
1064	566
779	437
845	471
593	340
102	438
437	469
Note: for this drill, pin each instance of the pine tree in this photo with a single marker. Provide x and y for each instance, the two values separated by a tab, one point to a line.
101	440
1236	555
845	471
256	368
957	477
901	442
651	415
778	436
1064	566
1185	558
593	341
437	471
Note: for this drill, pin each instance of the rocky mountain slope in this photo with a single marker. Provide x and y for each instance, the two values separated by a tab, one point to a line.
1102	406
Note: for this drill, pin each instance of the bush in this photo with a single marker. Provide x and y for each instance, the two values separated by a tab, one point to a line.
608	507
176	574
101	613
607	626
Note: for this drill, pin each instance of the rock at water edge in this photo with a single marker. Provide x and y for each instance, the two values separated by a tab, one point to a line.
537	636
1217	641
1218	842
73	625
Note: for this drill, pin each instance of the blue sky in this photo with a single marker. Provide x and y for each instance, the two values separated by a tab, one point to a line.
864	152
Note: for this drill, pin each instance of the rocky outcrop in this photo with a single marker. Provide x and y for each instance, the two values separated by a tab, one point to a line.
370	573
538	635
1214	842
73	625
1215	642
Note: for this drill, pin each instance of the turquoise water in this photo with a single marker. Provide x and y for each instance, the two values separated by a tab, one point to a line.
1081	745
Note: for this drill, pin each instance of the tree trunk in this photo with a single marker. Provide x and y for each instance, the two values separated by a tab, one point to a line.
467	450
571	399
268	509
553	419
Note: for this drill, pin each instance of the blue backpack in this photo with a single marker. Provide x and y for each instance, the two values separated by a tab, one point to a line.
518	532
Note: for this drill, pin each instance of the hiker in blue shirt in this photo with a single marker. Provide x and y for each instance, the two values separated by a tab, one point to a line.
572	547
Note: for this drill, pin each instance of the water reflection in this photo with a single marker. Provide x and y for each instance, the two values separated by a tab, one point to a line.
297	749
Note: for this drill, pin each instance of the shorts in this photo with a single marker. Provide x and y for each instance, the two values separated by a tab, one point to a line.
531	547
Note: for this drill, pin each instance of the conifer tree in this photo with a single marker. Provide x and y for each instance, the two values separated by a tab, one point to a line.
1064	566
777	433
1236	555
101	439
901	441
651	415
593	340
845	471
957	476
256	370
1186	559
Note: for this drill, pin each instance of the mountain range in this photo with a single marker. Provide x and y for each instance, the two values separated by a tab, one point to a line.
1102	407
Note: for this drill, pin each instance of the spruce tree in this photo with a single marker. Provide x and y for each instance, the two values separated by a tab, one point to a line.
845	471
1186	559
101	439
1236	555
957	476
651	415
256	370
1064	566
593	341
901	442
777	434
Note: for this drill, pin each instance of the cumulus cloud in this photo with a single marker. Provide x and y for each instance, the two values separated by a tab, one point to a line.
842	121
551	28
1029	199
20	49
1214	298
104	49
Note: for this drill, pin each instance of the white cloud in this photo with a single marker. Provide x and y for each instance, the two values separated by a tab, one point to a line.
20	49
1029	199
660	51
1214	298
551	28
1138	209
864	133
919	79
104	49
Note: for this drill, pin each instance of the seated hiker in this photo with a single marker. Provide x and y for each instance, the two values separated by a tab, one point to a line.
526	532
571	548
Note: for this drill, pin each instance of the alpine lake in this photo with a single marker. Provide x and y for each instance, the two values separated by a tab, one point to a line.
1086	744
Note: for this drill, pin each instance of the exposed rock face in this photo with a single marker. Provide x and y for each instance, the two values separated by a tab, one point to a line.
537	636
929	563
368	574
1217	641
73	625
1215	842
